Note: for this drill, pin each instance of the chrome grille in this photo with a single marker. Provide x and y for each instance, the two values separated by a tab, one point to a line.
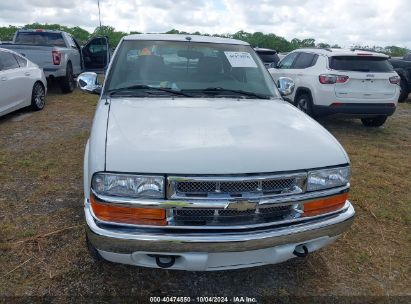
242	194
196	212
277	184
238	187
229	212
195	187
234	187
198	217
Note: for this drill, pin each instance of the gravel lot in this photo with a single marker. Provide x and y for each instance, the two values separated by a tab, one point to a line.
42	251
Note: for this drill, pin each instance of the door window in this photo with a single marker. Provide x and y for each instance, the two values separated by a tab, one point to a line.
21	61
96	53
287	62
8	61
305	60
71	42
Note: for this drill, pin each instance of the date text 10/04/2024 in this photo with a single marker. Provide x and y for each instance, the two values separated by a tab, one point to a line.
237	299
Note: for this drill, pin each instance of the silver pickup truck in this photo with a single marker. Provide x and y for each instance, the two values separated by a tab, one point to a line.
195	162
60	55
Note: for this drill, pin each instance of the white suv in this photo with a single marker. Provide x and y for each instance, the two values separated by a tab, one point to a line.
337	81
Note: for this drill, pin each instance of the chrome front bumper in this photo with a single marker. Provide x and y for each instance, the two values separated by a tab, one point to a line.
127	240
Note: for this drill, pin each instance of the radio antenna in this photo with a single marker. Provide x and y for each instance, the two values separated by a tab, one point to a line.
99	17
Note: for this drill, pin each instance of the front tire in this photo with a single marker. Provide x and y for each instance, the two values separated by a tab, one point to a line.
38	97
93	251
374	122
305	104
67	83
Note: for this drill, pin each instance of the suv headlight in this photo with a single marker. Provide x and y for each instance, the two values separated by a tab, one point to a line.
328	178
127	185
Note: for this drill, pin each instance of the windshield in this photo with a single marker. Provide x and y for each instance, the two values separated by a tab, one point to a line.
212	68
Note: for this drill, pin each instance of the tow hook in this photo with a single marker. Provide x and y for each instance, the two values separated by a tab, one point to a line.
170	260
297	251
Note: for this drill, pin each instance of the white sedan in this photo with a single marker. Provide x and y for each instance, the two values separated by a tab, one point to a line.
22	83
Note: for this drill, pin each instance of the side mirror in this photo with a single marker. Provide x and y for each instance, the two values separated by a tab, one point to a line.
88	82
285	85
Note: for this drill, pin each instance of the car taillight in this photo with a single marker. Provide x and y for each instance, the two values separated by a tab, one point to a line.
331	78
56	57
395	79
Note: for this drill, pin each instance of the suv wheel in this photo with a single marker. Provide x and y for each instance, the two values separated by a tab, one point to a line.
374	122
305	104
67	83
404	91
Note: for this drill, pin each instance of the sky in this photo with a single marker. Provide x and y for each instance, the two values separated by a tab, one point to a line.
343	22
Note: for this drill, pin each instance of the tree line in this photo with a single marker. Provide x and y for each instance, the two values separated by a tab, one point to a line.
257	39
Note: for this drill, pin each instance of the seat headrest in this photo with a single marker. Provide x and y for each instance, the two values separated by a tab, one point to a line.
212	65
150	61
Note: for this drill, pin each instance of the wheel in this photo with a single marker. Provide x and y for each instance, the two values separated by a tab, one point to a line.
93	251
67	83
404	91
38	97
305	104
374	122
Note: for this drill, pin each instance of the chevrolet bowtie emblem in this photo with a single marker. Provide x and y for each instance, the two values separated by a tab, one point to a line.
242	205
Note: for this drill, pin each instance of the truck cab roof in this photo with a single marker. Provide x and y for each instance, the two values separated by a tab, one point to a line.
181	37
38	30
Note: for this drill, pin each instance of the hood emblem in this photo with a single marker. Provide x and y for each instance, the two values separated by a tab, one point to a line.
242	205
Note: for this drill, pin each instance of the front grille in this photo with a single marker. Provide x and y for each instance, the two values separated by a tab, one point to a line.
195	187
204	217
238	187
244	193
235	188
277	184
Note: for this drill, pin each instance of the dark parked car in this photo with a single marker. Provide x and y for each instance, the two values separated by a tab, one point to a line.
268	56
403	69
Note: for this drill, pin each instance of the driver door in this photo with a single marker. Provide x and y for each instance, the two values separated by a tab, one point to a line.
96	54
15	85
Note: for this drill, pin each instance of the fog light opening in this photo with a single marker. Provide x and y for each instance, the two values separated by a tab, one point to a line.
164	261
301	251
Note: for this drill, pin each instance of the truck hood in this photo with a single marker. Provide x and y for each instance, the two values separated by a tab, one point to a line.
215	136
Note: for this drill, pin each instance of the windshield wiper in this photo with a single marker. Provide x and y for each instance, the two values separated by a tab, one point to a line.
147	89
219	90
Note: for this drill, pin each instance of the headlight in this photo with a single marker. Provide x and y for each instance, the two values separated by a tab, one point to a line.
127	185
328	178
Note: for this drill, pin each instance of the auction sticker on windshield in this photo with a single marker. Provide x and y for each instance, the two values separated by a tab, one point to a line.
240	59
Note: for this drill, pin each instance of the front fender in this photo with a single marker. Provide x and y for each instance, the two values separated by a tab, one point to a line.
86	181
95	153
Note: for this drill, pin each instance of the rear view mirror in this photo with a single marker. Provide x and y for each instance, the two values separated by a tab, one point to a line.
285	85
88	82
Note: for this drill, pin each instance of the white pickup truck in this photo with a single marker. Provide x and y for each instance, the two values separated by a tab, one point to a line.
60	55
195	162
